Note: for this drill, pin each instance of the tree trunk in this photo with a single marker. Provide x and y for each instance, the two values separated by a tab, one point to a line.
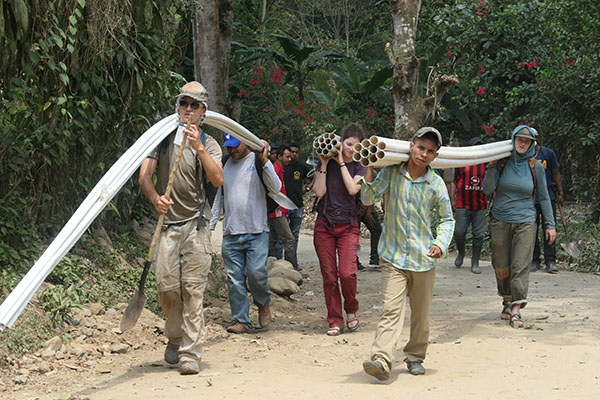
212	46
410	110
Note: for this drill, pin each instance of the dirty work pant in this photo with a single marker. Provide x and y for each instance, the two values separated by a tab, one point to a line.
245	258
182	262
279	229
396	284
549	249
475	218
512	249
340	242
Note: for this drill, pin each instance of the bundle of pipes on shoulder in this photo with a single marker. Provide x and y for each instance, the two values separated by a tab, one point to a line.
327	144
381	152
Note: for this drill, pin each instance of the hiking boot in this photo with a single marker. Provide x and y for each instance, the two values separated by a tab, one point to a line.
415	368
535	266
460	247
475	260
189	367
171	355
264	316
551	267
360	267
238	327
376	368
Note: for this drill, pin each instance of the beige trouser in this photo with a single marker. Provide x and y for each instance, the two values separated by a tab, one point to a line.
182	262
396	284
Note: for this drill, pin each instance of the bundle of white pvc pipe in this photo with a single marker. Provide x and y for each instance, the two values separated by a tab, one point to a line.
381	152
327	144
97	199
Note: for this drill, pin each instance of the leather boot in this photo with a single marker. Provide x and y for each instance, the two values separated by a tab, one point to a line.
475	260
460	246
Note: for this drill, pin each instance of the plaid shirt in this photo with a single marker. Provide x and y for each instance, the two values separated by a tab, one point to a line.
409	215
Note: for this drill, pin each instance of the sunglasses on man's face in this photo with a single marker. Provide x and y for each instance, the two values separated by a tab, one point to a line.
195	105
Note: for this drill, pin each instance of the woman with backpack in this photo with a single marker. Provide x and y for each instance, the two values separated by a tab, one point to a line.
337	230
513	184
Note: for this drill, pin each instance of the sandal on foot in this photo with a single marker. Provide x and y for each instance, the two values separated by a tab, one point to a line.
516	321
334	331
353	324
505	314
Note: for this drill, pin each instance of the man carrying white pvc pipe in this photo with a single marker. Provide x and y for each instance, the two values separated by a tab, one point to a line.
408	249
183	254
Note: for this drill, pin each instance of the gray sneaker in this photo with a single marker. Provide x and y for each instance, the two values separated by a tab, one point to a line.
375	368
415	368
189	367
171	355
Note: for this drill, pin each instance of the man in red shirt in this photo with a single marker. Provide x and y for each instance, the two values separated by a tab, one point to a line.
279	228
470	208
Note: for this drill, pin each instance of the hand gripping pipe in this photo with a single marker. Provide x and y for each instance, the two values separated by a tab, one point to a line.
97	199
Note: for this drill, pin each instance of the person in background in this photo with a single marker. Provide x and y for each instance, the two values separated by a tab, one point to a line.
470	208
273	153
408	250
336	234
514	182
370	217
547	157
294	176
279	228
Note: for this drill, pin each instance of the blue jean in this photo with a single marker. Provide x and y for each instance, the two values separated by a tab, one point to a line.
245	257
475	218
294	218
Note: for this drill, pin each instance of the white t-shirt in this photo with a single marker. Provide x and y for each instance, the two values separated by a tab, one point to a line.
245	206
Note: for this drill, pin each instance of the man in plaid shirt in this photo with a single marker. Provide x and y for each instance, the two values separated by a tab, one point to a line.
408	249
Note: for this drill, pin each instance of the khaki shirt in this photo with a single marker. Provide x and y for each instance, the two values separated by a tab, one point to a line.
188	201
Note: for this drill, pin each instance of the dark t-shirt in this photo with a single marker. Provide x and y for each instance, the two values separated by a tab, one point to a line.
293	177
547	157
340	206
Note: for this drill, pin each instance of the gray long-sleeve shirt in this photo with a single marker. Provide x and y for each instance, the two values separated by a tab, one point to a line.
244	195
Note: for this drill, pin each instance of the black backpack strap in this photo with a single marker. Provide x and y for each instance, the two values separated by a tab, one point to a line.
200	183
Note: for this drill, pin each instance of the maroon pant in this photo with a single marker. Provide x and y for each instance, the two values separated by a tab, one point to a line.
337	242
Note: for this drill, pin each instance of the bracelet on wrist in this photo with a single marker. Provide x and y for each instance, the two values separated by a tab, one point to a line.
342	164
322	172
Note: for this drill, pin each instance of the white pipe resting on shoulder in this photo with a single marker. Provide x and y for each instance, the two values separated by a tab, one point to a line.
96	201
393	151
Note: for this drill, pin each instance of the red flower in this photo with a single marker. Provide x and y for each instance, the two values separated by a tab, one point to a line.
481	91
448	53
324	107
240	93
481	69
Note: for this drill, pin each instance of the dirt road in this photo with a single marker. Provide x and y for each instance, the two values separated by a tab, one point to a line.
472	355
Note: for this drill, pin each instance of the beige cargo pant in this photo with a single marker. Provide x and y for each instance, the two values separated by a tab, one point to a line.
396	284
182	262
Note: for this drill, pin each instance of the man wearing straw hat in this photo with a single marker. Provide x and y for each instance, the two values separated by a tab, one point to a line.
183	255
408	249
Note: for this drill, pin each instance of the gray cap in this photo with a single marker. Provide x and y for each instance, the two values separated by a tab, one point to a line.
426	129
